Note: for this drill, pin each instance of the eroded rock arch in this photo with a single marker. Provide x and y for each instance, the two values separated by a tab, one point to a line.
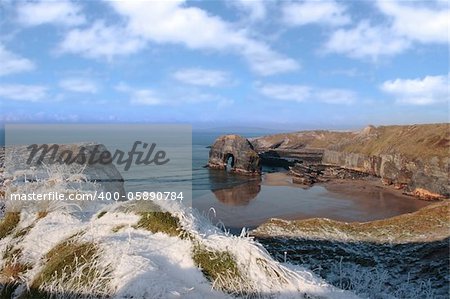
244	158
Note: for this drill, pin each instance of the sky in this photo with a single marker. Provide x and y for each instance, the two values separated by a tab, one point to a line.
266	64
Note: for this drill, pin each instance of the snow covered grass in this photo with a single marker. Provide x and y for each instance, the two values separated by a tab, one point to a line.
70	266
128	250
9	223
371	282
13	268
258	275
58	178
170	253
157	221
220	268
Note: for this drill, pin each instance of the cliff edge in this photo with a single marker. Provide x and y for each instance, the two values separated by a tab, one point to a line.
414	158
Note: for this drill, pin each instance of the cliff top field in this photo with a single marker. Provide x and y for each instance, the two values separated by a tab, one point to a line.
413	141
428	224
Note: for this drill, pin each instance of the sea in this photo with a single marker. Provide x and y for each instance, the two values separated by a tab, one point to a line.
231	200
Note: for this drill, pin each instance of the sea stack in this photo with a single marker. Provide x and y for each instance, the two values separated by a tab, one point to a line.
238	151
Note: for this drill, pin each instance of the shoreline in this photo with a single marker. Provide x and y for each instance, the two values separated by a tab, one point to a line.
403	228
358	188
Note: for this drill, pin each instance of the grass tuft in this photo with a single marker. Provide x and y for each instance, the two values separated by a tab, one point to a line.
22	232
13	270
63	259
220	268
11	252
71	268
9	223
101	214
41	214
116	228
163	222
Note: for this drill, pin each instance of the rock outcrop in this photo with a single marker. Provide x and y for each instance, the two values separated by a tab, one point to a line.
309	174
412	158
238	151
412	175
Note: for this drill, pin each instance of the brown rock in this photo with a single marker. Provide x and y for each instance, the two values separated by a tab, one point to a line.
244	159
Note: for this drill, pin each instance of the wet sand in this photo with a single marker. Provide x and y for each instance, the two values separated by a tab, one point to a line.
253	203
278	179
365	189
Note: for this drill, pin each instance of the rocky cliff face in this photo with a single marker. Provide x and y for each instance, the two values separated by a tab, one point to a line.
237	150
414	158
415	176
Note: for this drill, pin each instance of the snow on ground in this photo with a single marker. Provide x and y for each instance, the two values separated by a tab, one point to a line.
156	265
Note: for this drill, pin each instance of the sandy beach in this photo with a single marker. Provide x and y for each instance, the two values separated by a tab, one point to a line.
362	189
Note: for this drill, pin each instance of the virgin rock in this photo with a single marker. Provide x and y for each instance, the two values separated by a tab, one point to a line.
235	151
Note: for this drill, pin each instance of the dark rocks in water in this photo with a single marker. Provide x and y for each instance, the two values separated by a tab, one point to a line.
287	158
239	151
272	159
308	175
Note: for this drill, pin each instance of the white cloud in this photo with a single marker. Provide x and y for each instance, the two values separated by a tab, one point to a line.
79	85
302	13
407	22
171	97
302	93
143	96
100	41
21	92
202	77
61	12
264	60
173	23
366	41
254	10
420	91
12	63
414	20
296	93
335	96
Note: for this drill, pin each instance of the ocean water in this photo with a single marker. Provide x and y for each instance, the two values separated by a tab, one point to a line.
238	201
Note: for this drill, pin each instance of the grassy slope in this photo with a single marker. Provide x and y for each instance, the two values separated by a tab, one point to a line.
126	252
428	224
418	141
415	141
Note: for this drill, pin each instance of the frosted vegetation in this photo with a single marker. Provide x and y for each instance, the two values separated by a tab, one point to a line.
129	250
122	252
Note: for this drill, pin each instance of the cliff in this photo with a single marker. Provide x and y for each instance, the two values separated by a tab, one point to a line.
414	158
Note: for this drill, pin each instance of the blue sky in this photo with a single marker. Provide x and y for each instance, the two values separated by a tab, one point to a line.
269	64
